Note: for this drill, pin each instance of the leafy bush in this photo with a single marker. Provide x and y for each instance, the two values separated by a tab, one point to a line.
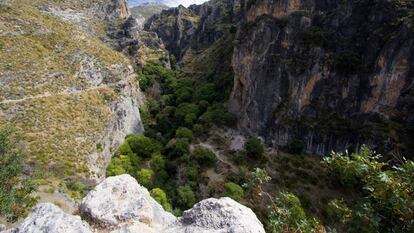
388	203
160	196
119	165
217	114
296	146
185	109
183	132
254	148
185	197
178	147
198	129
145	177
287	215
15	189
204	156
233	191
143	146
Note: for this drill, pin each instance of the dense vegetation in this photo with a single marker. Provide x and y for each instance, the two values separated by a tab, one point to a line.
162	159
15	189
170	161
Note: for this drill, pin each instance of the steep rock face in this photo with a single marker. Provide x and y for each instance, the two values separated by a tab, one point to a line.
331	74
71	95
120	205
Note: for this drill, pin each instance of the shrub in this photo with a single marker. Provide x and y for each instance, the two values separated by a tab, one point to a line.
143	146
254	148
296	146
233	191
160	196
388	204
145	177
119	165
178	147
15	189
287	215
190	119
204	156
185	197
184	94
198	129
185	109
217	114
183	132
206	92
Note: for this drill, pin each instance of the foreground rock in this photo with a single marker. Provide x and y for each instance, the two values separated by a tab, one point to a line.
121	199
120	205
47	217
218	216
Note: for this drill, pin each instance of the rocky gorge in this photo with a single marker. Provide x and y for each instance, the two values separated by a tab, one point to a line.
333	75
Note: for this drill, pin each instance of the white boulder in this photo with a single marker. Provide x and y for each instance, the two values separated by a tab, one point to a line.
48	218
222	215
118	200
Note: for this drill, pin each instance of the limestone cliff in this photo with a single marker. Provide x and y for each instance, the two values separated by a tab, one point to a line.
334	74
72	97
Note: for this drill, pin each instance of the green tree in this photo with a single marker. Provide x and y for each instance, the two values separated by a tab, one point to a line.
145	177
184	132
296	146
204	156
254	147
185	197
161	197
233	191
143	146
15	188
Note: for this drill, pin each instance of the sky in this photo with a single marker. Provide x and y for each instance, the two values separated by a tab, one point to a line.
170	3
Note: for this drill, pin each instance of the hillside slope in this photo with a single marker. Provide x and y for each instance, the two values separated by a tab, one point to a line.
71	96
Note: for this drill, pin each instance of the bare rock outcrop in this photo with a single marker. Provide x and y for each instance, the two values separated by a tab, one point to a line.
120	205
121	199
48	218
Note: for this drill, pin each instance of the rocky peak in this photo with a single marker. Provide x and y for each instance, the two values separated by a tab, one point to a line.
120	204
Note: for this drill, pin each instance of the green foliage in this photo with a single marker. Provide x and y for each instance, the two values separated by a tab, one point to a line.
145	177
185	197
186	109
142	145
178	147
217	114
119	165
296	146
15	189
204	156
77	189
198	129
255	180
233	191
183	132
388	202
287	215
254	148
207	92
160	196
